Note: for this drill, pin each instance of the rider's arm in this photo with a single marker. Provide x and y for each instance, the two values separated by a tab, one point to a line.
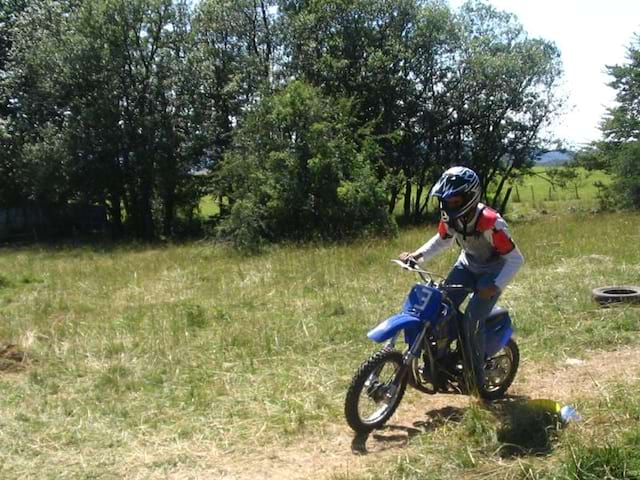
438	243
513	262
508	250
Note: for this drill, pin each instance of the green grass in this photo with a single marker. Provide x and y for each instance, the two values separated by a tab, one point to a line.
172	349
535	194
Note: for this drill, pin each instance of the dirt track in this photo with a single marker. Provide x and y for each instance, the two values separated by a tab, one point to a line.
337	451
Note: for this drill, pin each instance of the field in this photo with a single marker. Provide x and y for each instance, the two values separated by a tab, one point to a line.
191	361
533	193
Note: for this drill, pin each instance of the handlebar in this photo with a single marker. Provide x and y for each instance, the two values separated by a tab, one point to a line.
412	266
427	277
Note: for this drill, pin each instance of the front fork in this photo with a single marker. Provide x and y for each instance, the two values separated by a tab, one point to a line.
410	359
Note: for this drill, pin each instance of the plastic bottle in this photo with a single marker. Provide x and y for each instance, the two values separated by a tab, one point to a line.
569	414
565	413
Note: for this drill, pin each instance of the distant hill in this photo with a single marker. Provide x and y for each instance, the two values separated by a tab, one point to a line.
554	157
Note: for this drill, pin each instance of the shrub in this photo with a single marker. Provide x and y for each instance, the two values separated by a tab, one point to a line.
299	170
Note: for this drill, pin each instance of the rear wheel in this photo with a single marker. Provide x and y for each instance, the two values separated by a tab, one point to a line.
375	391
500	370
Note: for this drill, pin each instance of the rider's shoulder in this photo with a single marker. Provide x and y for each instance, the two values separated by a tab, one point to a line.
487	219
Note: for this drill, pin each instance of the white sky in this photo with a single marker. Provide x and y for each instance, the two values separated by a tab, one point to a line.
590	34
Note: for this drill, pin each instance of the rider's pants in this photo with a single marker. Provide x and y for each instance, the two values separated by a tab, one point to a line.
478	309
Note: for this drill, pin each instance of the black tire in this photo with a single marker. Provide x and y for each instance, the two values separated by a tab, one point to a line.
616	294
366	385
500	370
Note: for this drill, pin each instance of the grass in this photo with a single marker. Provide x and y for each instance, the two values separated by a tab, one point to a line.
142	360
535	194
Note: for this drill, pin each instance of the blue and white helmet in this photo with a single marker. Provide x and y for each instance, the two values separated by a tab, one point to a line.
458	182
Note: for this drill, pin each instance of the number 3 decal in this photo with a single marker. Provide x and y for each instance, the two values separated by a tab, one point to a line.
424	300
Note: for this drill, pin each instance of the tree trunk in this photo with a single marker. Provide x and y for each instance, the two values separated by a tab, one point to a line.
115	212
147	230
503	180
407	199
393	199
416	207
169	213
503	205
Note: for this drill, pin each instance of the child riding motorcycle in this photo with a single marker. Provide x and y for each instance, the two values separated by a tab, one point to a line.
488	260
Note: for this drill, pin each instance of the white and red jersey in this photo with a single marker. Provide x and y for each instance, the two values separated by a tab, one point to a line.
487	247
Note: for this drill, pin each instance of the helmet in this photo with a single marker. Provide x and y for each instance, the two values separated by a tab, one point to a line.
457	182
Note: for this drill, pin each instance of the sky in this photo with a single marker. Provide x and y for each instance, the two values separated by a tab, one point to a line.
590	35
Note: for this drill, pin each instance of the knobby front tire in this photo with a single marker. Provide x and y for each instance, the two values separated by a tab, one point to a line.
375	391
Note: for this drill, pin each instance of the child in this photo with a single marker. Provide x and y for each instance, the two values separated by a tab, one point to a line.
488	259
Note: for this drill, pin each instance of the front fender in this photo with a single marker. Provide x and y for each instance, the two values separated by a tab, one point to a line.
402	321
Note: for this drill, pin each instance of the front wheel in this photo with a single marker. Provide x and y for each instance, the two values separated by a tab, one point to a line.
375	391
500	370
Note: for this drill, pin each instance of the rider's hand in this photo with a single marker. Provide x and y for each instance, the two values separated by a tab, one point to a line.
407	257
488	292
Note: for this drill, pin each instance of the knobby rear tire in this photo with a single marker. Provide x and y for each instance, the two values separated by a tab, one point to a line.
374	364
513	353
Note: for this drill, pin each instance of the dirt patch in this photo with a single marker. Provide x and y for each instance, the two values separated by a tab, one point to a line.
573	378
338	451
11	358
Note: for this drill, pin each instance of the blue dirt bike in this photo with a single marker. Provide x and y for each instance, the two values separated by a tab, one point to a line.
434	360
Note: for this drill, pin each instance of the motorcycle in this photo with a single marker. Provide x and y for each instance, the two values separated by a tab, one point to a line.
435	359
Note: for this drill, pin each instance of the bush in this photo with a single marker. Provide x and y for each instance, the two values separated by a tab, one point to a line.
298	170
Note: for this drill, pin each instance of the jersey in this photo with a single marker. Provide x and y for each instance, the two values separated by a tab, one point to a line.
486	248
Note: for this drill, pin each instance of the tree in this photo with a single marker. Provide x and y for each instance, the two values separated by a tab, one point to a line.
506	95
34	161
434	64
299	169
231	67
10	10
439	87
118	103
622	122
619	151
107	79
362	50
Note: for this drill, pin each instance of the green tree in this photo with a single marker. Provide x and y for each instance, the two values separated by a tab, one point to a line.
439	87
299	169
110	80
230	67
619	151
34	162
434	64
118	103
506	95
10	10
362	50
622	123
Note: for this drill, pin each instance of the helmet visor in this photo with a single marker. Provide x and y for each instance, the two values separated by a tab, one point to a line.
458	205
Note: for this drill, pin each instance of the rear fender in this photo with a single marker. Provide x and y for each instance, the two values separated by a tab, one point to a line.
498	331
402	321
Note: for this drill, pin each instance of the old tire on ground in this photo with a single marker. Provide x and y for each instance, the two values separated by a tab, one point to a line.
616	294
